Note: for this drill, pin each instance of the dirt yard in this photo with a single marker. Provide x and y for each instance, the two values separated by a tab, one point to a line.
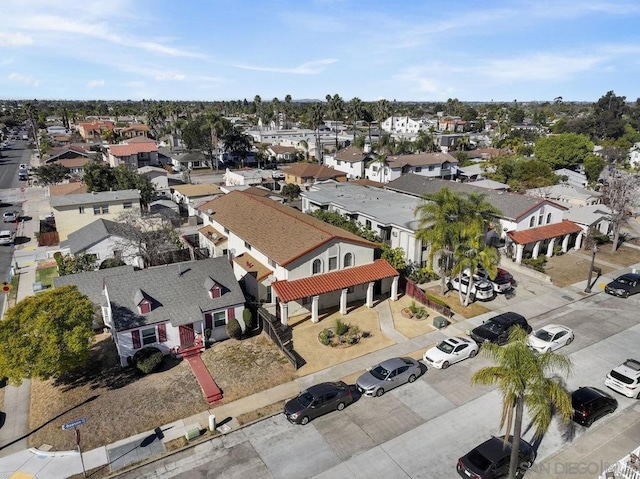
119	403
453	301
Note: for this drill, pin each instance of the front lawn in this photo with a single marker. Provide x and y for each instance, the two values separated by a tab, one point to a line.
46	274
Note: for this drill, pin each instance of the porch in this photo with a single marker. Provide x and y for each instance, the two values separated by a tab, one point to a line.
548	240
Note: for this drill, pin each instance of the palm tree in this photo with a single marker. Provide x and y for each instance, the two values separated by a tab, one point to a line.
471	255
335	105
275	103
305	146
287	110
383	109
426	142
315	116
523	377
355	112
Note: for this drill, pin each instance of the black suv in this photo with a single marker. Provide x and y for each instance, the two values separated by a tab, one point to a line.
490	460
590	404
496	330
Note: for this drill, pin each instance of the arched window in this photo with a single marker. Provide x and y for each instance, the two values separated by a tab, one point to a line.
548	218
532	222
316	267
348	260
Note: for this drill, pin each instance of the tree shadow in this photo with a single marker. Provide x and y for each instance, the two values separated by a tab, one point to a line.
21	240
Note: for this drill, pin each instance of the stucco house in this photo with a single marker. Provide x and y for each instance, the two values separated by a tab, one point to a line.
282	154
350	160
74	211
168	307
133	155
158	177
568	194
93	130
291	261
432	165
309	173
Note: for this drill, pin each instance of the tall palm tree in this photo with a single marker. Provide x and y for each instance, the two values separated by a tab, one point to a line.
383	110
287	110
526	379
355	112
335	105
316	114
275	103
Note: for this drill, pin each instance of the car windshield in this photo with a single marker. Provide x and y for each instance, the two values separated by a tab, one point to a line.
492	326
625	280
379	372
478	460
543	335
633	364
445	346
305	398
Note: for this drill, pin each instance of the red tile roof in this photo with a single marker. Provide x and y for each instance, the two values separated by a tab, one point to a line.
133	149
333	281
542	233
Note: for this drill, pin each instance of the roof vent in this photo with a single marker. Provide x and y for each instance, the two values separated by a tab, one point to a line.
209	211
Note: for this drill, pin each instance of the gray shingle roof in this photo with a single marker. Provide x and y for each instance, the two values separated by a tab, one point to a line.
511	205
93	198
93	233
176	291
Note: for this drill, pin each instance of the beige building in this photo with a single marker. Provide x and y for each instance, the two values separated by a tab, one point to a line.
75	211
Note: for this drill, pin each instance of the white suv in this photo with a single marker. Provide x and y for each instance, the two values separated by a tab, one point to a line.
625	379
6	237
480	289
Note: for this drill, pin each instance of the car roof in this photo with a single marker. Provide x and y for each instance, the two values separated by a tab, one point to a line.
392	363
587	394
321	388
554	328
508	317
494	449
629	276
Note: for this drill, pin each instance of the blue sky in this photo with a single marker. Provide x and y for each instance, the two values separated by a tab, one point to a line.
398	49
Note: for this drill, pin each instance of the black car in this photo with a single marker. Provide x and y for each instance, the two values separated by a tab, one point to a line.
318	400
490	460
590	404
496	330
624	286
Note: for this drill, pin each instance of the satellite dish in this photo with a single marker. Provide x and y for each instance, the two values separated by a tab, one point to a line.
271	278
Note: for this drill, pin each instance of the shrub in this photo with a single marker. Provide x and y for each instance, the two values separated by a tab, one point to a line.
148	359
341	327
435	300
325	336
247	317
536	264
233	329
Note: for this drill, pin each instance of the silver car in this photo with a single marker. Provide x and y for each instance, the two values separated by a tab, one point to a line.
388	375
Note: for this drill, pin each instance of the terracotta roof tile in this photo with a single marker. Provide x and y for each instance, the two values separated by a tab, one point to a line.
312	170
252	265
133	149
280	232
67	189
542	233
333	281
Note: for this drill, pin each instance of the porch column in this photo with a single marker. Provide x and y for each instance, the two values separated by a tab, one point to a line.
565	243
536	250
284	313
394	288
578	241
519	252
314	309
343	301
550	247
370	295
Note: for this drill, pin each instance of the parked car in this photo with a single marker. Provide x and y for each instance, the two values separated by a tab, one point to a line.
624	286
625	379
23	167
501	282
550	338
490	460
481	289
387	375
590	404
449	351
6	237
318	400
10	216
497	329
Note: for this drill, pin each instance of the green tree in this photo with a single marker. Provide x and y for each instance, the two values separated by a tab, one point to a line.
526	379
355	108
394	256
76	264
425	142
51	174
335	106
563	150
593	166
607	117
291	191
46	335
101	177
471	254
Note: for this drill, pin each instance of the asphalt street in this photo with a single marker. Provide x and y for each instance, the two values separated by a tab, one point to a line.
418	430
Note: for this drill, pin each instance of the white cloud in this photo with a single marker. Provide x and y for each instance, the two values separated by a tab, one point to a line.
307	68
27	80
16	39
540	67
95	83
170	76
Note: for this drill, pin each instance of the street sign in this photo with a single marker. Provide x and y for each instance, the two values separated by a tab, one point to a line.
73	424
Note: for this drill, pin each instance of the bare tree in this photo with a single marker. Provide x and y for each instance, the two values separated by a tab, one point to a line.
620	195
147	237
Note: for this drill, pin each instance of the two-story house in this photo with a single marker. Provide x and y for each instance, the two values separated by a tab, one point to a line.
93	130
292	261
133	155
75	211
569	194
134	130
432	165
350	160
403	124
167	307
309	173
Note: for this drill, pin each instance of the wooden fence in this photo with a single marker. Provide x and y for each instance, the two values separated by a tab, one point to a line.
282	336
412	290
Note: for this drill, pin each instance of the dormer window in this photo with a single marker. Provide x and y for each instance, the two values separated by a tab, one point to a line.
142	301
215	289
215	292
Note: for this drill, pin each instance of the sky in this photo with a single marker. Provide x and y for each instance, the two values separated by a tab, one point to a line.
403	50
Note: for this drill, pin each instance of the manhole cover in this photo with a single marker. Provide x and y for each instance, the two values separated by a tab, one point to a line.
223	429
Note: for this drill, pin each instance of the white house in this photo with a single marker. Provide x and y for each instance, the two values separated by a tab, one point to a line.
568	194
246	177
167	306
404	124
350	160
433	165
291	261
634	155
158	177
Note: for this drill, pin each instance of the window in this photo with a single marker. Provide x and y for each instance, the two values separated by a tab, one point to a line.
81	210
269	298
333	263
149	336
367	224
247	245
548	218
540	219
431	168
418	169
127	205
100	209
348	260
532	222
144	307
219	319
316	266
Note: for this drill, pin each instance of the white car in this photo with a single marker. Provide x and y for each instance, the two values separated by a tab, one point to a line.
625	379
481	290
449	351
9	216
550	338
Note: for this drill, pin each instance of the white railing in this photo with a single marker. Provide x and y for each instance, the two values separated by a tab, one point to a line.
626	468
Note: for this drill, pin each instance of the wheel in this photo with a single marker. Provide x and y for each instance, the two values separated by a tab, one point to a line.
588	422
525	465
445	365
412	378
304	420
569	341
473	353
472	297
626	294
449	285
379	392
340	406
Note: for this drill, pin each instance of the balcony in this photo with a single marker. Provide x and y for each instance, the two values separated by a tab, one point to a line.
626	468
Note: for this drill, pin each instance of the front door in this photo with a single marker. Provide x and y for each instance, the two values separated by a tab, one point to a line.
187	335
